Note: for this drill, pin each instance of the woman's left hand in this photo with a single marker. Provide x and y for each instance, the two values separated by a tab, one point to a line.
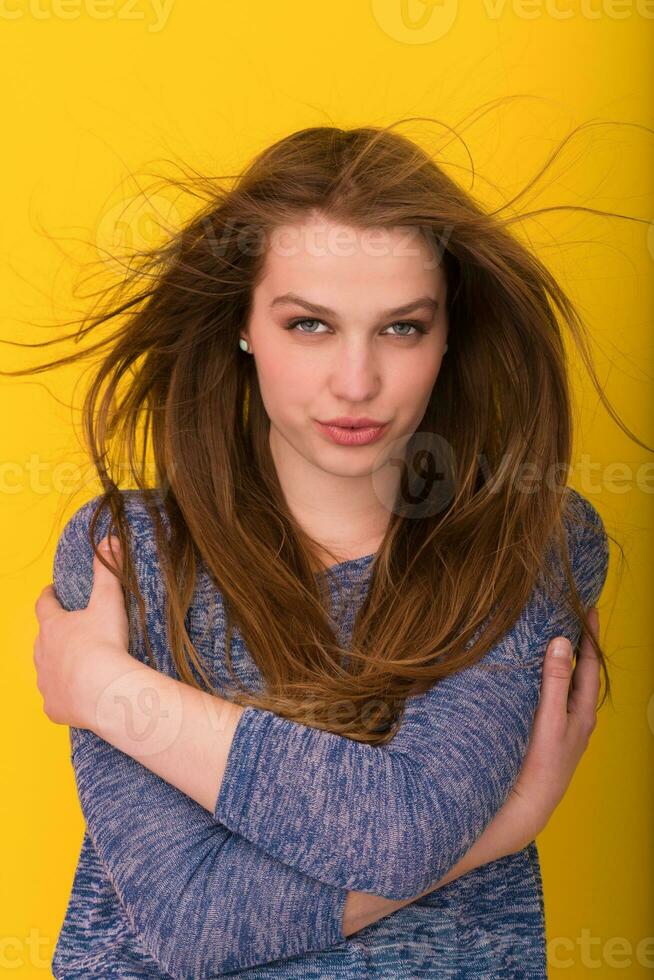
71	648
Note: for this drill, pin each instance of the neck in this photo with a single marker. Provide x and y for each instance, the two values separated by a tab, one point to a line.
346	514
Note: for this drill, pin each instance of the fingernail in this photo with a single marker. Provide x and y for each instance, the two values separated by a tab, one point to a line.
560	648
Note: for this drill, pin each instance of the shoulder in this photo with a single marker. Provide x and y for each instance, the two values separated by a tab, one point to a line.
579	513
588	544
549	611
588	553
76	530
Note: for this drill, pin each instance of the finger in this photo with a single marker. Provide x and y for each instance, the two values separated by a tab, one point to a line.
585	681
47	604
106	585
555	683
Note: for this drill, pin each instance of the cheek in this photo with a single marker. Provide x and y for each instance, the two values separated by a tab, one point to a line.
284	389
415	382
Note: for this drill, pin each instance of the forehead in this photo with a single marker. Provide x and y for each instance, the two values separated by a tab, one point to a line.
385	264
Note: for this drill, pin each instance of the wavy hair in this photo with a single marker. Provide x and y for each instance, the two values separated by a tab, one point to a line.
171	381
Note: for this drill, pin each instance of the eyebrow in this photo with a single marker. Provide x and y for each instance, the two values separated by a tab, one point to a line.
422	302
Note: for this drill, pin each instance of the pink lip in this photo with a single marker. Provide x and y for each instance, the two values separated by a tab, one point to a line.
352	437
349	421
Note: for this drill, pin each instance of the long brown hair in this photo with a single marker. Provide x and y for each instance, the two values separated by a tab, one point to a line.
501	403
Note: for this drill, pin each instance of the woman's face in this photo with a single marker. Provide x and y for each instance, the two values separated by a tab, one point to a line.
346	322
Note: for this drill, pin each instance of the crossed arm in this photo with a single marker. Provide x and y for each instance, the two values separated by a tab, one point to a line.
302	816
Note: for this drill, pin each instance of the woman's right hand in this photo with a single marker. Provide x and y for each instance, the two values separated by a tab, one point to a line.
561	729
562	726
564	721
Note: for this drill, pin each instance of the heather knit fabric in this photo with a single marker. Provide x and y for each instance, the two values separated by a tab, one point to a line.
163	888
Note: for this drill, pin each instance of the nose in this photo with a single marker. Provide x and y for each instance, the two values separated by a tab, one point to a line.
355	373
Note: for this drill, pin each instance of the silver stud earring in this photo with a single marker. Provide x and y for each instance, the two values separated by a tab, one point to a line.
445	348
243	344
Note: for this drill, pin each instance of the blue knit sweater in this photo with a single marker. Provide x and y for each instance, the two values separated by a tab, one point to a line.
163	888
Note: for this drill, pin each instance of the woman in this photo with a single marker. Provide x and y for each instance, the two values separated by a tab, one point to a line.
311	723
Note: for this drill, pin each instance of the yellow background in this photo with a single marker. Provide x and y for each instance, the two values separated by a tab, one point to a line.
94	92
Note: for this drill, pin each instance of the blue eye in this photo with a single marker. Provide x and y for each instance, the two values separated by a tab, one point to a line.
295	323
403	323
408	323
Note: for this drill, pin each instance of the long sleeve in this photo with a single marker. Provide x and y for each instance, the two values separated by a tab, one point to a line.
202	900
206	898
393	819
